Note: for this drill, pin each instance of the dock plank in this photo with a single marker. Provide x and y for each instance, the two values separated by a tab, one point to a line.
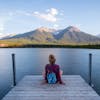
30	88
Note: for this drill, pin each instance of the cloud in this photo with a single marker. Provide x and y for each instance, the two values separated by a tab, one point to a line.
53	11
55	26
3	22
49	15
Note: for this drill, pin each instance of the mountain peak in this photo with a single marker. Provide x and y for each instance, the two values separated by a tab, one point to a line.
73	29
45	29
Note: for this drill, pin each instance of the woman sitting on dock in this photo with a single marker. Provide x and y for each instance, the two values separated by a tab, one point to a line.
52	72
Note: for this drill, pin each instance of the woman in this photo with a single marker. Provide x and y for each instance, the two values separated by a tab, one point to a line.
52	67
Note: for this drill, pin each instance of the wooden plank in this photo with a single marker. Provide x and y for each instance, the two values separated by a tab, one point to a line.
30	88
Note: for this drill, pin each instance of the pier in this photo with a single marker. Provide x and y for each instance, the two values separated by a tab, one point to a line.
31	88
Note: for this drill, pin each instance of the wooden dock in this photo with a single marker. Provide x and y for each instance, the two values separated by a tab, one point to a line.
30	88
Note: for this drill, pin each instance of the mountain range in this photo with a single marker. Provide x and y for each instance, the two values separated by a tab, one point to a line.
98	35
44	35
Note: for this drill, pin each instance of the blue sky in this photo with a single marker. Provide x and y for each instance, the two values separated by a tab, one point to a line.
18	16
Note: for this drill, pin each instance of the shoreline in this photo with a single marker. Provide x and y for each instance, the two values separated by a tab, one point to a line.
55	46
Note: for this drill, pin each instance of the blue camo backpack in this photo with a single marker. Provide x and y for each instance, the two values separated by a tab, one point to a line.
51	78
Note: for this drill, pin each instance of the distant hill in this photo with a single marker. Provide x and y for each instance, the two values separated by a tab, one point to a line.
73	34
44	35
98	35
7	36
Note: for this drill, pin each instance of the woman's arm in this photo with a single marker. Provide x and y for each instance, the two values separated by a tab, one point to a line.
60	72
45	74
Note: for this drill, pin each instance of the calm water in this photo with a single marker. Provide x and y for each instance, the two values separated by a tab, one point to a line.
31	61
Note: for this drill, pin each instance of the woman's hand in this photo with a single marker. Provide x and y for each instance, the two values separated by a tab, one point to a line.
44	82
62	83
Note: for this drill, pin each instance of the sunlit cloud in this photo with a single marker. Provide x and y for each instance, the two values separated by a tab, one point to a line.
52	11
49	15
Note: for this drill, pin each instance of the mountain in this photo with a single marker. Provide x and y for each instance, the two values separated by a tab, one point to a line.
98	35
6	36
73	34
41	34
44	35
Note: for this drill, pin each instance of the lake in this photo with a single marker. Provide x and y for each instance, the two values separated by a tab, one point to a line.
31	61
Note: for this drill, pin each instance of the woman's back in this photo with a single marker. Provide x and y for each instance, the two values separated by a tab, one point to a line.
49	68
53	68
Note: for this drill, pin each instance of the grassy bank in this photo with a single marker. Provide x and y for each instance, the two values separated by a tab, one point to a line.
52	46
25	43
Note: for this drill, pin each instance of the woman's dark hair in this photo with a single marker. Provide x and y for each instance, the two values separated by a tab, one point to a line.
52	59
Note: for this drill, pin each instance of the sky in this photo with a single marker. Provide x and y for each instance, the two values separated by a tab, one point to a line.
19	16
